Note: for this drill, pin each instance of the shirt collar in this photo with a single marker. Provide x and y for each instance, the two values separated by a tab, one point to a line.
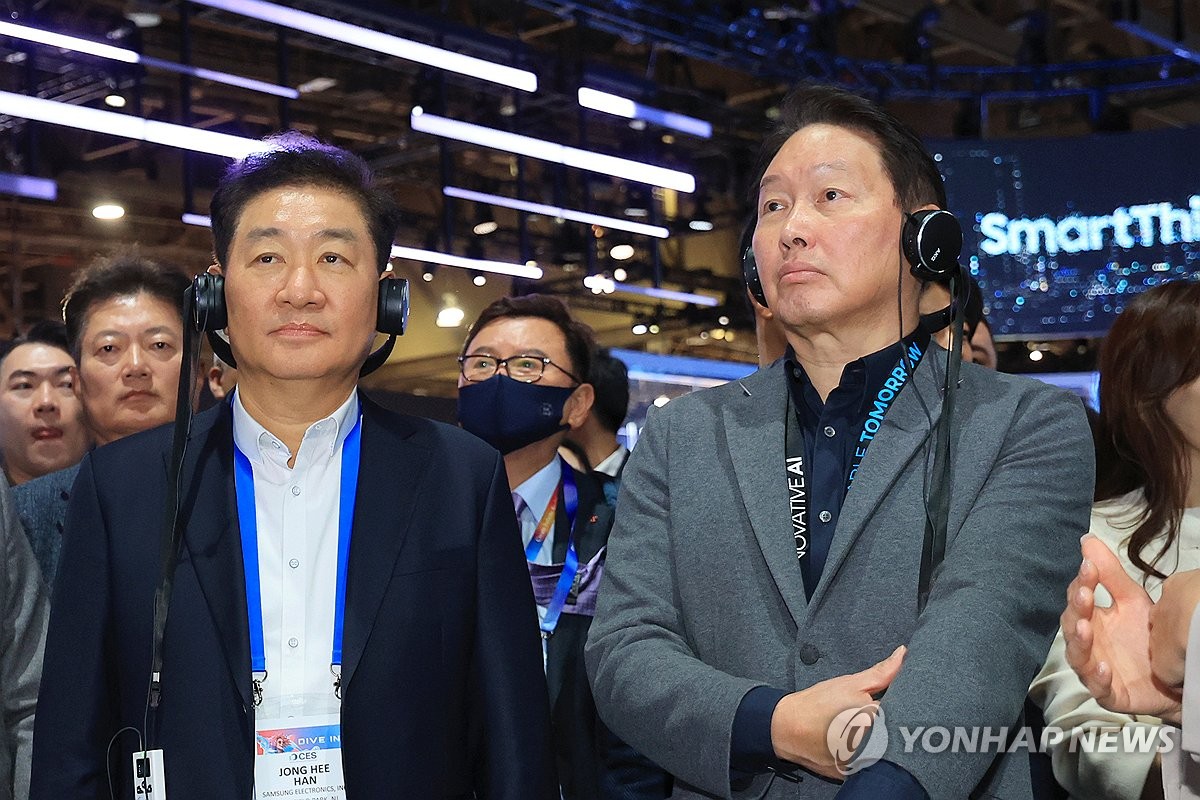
539	487
863	376
611	465
321	440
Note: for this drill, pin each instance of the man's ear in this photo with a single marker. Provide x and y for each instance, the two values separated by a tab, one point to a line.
215	269
578	406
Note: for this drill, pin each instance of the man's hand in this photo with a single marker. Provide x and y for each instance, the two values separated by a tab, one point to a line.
801	721
1170	621
1109	648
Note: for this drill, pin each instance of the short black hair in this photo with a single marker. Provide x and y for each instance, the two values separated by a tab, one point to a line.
611	381
49	332
581	342
293	159
121	274
913	172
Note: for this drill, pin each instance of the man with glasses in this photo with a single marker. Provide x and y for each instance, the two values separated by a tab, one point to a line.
523	384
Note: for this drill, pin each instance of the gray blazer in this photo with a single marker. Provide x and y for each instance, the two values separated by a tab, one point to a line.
42	507
703	599
24	612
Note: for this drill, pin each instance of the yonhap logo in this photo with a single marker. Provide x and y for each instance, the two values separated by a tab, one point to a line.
857	738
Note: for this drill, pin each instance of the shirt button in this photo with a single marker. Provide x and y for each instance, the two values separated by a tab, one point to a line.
825	516
295	491
295	562
829	431
293	642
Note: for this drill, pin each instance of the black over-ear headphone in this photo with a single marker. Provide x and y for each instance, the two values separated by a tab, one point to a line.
211	316
931	240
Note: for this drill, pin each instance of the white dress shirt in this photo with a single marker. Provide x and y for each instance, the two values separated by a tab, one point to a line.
611	466
297	512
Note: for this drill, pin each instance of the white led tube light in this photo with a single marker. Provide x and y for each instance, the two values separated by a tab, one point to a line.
28	186
550	151
106	51
624	107
379	42
667	294
129	127
483	265
554	211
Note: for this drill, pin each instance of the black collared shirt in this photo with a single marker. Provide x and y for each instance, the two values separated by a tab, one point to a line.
832	432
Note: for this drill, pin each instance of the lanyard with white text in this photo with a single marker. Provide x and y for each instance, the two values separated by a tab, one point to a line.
793	444
566	580
248	521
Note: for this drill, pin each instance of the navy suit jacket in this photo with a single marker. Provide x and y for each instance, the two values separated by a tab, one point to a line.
443	692
593	764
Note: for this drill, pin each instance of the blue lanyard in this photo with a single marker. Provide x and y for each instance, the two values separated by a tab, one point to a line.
248	521
793	445
562	589
880	405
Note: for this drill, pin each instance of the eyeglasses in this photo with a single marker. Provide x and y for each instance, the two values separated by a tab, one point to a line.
525	368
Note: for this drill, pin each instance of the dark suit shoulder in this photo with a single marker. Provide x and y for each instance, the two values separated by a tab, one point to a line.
148	447
430	433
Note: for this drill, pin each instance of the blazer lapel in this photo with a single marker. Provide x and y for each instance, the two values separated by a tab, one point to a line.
390	477
754	426
905	428
213	538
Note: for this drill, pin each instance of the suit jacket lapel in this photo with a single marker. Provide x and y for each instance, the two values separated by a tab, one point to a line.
213	538
383	515
905	428
754	425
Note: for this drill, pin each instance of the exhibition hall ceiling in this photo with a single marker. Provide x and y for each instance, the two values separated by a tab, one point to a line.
952	68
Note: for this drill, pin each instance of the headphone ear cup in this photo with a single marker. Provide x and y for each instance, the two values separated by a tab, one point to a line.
393	306
932	241
211	313
753	279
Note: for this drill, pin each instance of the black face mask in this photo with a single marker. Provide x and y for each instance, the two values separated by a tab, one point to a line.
510	414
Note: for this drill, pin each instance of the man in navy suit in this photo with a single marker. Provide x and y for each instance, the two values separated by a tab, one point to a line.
524	382
380	609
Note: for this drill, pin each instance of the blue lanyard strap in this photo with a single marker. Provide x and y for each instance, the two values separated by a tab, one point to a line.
248	522
571	565
793	444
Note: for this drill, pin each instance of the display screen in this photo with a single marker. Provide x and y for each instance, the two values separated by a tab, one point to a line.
1060	233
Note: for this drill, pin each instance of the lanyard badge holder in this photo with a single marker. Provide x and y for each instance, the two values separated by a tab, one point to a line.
297	749
570	566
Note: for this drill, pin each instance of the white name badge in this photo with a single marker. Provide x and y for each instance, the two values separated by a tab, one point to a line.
299	757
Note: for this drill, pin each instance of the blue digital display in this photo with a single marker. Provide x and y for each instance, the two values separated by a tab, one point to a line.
1060	233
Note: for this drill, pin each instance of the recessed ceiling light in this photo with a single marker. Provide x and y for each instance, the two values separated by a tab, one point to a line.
621	252
108	211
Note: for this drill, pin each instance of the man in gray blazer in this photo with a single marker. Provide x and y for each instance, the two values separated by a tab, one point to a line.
763	573
124	316
24	612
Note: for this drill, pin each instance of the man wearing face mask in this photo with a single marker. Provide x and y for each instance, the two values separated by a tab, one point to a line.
523	384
